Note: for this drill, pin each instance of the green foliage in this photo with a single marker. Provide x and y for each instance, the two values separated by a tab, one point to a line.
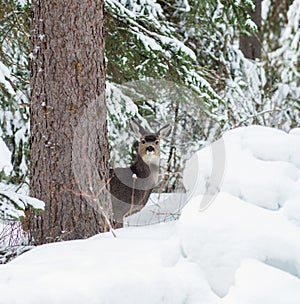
14	84
149	46
188	43
173	62
13	205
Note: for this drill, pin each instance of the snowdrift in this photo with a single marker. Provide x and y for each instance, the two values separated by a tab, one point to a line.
237	240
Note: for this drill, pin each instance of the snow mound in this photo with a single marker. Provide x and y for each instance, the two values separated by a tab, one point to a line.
230	231
245	203
259	165
140	266
261	284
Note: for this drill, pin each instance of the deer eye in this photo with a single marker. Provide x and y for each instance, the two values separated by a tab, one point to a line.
157	142
143	141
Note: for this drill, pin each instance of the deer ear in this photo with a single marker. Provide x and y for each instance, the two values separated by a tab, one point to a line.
165	131
137	129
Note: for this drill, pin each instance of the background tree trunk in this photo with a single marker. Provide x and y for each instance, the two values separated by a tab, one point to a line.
69	148
251	45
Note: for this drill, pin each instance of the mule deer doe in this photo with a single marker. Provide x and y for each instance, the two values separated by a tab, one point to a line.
131	187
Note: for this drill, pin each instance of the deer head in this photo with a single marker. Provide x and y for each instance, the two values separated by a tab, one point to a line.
149	143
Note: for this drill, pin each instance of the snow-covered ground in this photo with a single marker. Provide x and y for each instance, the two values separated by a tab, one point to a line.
237	240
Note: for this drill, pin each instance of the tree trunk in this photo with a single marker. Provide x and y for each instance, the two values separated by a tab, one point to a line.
251	45
69	149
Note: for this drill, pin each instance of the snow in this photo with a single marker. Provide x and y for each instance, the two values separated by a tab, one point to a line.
162	207
231	230
258	165
12	204
5	158
137	265
259	283
4	72
237	240
251	25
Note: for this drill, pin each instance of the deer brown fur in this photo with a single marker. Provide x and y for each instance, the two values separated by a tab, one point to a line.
131	187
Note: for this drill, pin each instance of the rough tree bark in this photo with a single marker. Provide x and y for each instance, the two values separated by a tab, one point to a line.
251	45
69	149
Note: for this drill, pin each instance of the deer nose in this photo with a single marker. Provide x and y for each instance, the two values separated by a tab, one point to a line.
150	149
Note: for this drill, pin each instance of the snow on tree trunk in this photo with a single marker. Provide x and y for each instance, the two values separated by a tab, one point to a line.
69	148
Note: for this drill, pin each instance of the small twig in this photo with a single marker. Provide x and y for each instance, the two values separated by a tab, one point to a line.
134	178
256	115
94	197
